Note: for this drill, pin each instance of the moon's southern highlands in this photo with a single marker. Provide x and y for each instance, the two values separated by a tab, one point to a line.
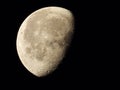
43	39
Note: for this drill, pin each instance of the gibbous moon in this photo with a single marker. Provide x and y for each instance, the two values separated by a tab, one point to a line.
43	39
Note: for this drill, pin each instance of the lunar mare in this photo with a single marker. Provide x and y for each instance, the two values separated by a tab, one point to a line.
43	38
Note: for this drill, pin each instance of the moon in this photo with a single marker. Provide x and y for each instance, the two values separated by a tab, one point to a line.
43	38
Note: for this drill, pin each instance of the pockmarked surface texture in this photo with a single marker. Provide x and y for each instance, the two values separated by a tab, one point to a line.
43	38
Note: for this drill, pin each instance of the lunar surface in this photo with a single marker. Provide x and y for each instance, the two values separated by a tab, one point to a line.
43	39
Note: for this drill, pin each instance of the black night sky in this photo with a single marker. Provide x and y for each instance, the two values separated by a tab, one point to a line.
82	62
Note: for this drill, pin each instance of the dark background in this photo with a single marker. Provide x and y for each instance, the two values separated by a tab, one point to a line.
84	63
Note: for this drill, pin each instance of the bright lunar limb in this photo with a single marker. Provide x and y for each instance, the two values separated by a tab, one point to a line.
43	38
